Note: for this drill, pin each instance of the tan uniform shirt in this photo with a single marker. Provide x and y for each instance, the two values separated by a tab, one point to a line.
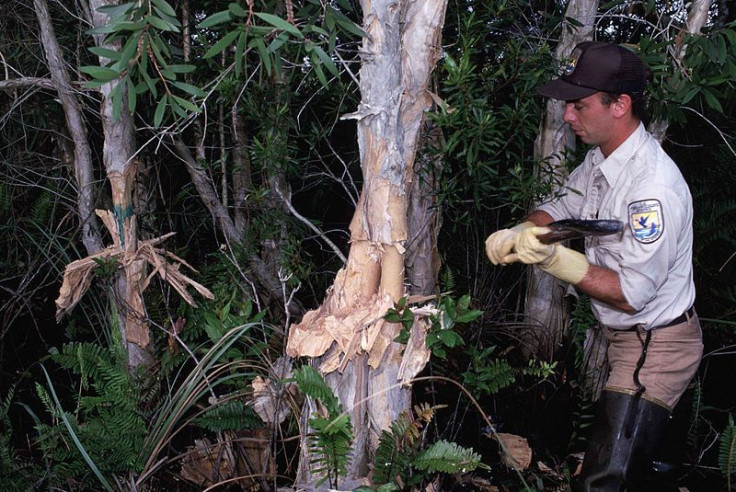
641	186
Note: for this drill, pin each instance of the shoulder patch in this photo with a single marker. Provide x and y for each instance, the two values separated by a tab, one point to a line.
646	220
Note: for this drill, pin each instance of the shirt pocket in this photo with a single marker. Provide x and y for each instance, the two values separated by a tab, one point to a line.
605	251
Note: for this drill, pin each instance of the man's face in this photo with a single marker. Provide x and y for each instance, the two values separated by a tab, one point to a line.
590	119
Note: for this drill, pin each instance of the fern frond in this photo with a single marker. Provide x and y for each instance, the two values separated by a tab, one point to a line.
331	445
310	381
447	457
727	452
393	459
231	415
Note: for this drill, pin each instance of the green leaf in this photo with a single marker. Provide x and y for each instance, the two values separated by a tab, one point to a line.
105	52
150	83
181	68
100	73
127	54
450	338
161	24
130	26
108	29
280	23
222	43
263	52
348	25
468	316
132	96
117	101
189	89
277	42
116	10
240	52
158	116
165	7
711	100
177	109
188	105
215	19
237	10
326	60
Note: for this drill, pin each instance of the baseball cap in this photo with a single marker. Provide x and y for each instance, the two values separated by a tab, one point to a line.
596	66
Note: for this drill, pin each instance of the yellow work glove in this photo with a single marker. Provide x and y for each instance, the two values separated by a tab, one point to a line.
564	263
501	243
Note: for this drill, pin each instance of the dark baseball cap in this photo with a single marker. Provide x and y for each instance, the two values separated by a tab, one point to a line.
596	66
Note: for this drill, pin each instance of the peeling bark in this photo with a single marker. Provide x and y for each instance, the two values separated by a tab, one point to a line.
546	311
118	153
347	335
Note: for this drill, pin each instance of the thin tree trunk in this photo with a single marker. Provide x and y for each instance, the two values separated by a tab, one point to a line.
695	21
347	335
422	255
118	153
83	165
546	311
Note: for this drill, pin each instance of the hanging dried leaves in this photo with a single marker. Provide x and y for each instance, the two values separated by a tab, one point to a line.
78	275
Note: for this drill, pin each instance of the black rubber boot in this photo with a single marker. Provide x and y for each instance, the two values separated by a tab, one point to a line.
669	463
625	435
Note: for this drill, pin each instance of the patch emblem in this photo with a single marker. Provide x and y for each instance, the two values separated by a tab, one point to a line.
646	220
573	62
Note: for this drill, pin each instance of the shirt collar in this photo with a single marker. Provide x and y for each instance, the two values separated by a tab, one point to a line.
612	166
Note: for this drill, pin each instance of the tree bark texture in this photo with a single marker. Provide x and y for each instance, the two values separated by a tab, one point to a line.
546	311
83	164
118	157
347	335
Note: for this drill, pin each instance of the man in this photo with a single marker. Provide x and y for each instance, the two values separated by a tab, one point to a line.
641	280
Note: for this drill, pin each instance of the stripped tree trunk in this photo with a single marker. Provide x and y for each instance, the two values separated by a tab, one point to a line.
347	336
118	152
546	312
118	157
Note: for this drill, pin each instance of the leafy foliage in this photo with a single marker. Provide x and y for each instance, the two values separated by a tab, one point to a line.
231	415
447	457
442	334
330	444
402	460
107	422
727	452
16	473
488	376
701	81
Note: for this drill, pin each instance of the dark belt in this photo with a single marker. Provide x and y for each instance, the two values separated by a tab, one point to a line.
681	318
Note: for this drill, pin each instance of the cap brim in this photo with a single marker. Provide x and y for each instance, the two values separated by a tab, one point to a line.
559	89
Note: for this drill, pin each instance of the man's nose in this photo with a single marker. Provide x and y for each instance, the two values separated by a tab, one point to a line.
569	115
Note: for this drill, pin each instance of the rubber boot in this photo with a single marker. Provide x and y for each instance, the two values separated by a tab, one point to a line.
669	462
625	434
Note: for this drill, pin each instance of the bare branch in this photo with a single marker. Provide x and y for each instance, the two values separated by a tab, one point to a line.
27	82
309	224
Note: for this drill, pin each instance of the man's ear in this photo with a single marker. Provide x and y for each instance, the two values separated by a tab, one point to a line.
622	106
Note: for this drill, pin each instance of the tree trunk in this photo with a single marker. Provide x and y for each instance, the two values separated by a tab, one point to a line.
118	157
695	21
83	165
347	335
546	311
